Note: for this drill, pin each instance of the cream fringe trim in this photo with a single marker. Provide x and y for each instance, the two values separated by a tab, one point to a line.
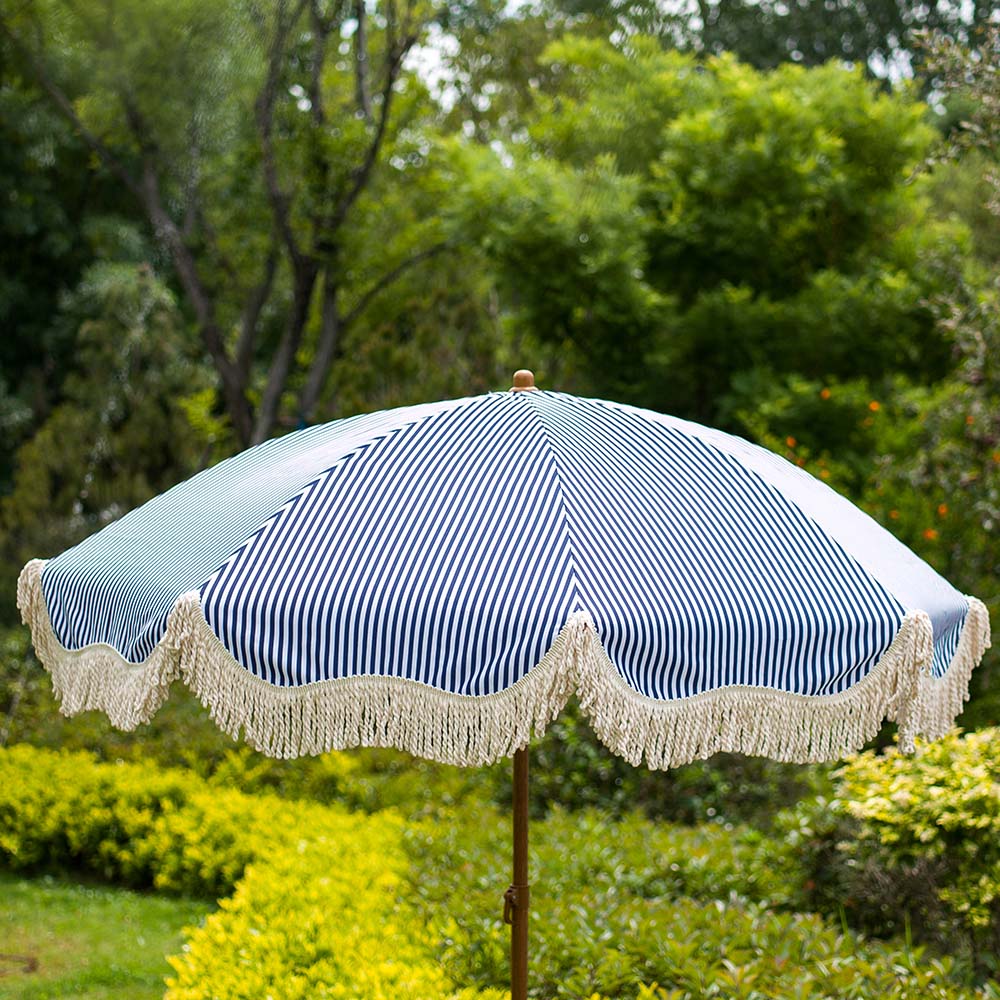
941	699
97	676
468	730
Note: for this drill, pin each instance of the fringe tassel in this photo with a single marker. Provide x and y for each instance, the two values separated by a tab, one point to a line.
470	730
941	699
97	676
374	711
757	721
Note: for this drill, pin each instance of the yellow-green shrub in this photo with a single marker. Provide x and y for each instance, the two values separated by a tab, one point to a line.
325	918
137	824
938	814
912	843
369	779
321	911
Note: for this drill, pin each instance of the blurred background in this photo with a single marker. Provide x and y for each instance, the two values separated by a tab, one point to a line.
222	220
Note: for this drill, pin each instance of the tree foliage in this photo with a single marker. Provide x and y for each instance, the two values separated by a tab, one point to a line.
56	211
270	150
125	424
680	224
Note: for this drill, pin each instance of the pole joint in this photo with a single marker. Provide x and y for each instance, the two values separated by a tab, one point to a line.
516	897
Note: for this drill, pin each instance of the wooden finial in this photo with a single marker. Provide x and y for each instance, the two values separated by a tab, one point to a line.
524	381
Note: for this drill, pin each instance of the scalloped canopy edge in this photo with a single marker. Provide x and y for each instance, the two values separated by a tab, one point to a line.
470	731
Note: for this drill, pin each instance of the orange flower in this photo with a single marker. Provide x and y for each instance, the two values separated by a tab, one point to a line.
942	509
790	441
930	534
825	393
996	457
800	462
969	420
894	514
874	406
824	473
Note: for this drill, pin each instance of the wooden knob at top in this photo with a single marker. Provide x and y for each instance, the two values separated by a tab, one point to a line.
524	381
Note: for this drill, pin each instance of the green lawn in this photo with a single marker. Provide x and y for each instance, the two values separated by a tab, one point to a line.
87	942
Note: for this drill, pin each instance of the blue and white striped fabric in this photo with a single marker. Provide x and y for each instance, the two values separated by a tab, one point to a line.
447	546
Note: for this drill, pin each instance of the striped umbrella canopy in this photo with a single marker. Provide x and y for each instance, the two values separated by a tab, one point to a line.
443	578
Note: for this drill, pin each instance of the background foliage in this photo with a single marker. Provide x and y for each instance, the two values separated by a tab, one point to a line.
226	221
390	905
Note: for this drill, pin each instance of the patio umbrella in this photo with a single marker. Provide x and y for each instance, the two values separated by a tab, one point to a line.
443	578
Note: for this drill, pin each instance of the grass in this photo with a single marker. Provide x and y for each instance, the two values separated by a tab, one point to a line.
87	942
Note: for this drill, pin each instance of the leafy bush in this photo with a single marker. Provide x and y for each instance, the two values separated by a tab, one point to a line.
140	825
728	949
641	909
18	677
316	914
326	918
582	863
330	904
572	769
370	779
912	844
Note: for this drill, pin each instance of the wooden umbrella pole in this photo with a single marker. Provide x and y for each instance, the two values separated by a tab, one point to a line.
516	898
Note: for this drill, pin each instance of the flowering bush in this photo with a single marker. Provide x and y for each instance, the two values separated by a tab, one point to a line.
911	844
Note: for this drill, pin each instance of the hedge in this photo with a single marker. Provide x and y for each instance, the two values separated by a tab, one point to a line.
326	903
139	825
320	906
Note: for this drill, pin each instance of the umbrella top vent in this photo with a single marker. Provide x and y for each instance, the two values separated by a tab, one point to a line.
524	381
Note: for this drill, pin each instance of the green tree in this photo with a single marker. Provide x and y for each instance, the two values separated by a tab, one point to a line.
967	76
924	459
495	65
938	473
55	211
259	143
879	35
676	225
126	424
